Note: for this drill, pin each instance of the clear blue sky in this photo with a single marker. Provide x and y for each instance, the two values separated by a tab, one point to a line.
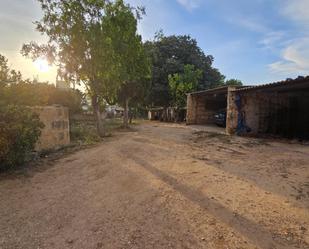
256	41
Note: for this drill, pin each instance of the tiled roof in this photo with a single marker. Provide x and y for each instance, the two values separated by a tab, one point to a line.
287	82
210	90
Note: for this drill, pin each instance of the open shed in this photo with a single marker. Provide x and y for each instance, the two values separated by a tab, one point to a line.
203	105
279	109
155	113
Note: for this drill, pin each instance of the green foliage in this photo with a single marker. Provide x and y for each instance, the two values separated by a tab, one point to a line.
181	84
4	69
233	82
169	55
78	44
120	25
72	99
84	38
20	128
41	94
134	65
7	75
84	133
77	41
16	91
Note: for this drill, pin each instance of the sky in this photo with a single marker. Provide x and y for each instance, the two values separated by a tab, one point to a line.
256	41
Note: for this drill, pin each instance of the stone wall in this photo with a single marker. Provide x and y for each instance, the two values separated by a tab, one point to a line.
197	111
56	132
282	114
155	114
259	112
191	109
231	113
255	110
244	112
204	115
202	107
279	110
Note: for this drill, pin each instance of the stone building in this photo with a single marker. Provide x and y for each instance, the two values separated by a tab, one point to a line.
155	113
278	109
168	114
56	132
202	106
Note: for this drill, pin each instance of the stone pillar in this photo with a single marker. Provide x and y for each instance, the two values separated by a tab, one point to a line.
56	132
191	110
232	112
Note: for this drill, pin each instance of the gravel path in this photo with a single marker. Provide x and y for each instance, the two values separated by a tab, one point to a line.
162	186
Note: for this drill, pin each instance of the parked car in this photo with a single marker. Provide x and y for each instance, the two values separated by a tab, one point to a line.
220	118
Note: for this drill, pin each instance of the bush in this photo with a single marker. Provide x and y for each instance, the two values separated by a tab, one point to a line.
84	132
20	129
41	94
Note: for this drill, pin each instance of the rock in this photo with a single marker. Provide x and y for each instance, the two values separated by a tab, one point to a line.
69	241
303	228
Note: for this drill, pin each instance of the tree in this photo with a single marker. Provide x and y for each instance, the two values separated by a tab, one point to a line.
181	84
27	93
131	94
16	91
169	55
20	129
233	82
7	75
134	65
80	46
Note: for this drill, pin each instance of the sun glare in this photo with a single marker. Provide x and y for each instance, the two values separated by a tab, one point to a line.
42	65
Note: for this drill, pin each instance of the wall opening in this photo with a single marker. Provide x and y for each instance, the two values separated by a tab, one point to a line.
287	115
215	106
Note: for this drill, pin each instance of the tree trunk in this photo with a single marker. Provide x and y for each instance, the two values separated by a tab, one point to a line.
126	114
130	115
97	115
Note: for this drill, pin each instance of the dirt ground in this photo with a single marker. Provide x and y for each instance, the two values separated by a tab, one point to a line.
162	186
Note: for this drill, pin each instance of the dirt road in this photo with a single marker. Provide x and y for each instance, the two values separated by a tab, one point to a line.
162	186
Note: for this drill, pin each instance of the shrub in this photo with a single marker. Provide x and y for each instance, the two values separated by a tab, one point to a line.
20	129
41	94
84	132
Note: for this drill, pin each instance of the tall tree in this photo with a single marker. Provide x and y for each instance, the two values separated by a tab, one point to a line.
233	82
8	75
134	65
79	44
181	84
4	71
169	56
